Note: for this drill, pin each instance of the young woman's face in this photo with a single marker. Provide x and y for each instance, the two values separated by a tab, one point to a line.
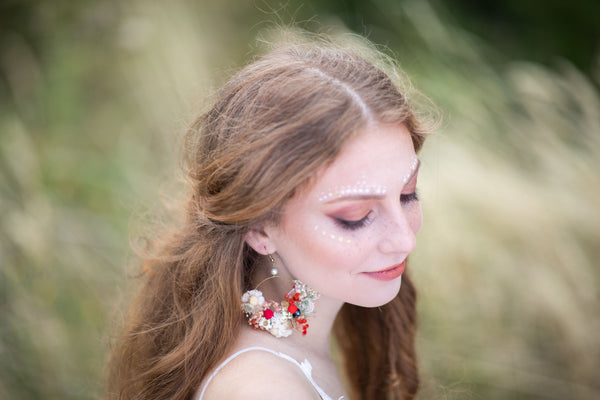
348	236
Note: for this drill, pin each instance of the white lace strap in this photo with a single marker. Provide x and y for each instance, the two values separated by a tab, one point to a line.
305	367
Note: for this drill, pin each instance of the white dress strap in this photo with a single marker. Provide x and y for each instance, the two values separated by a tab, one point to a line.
304	366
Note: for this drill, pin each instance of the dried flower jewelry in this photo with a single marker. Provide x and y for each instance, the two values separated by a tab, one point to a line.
280	318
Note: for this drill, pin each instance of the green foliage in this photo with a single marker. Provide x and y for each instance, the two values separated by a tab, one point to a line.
95	97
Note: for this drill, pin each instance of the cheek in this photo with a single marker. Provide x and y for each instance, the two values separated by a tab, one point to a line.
333	246
337	253
414	216
322	245
331	235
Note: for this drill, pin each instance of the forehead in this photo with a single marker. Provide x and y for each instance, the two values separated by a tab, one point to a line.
379	155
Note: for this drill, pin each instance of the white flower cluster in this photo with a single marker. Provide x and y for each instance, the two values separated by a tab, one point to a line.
252	300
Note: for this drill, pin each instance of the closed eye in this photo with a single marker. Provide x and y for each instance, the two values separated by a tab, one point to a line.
352	225
410	197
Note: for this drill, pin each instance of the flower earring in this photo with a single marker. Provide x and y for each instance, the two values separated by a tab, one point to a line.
279	319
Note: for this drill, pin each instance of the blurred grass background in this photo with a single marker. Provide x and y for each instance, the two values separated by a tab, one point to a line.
95	97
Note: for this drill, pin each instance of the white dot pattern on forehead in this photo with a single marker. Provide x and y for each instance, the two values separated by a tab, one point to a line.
361	187
339	239
414	161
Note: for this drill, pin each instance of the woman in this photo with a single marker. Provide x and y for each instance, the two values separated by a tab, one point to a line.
301	215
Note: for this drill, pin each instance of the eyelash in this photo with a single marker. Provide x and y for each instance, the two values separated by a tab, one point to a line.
407	198
354	225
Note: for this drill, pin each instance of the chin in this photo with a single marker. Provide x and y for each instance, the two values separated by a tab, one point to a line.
381	297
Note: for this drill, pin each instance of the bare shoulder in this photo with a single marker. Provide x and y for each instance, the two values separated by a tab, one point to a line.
259	374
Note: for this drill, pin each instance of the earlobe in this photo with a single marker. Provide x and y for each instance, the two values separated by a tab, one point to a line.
260	242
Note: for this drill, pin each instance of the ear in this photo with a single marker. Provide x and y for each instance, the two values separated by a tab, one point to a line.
260	242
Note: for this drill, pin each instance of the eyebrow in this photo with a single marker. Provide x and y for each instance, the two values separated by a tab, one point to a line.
369	196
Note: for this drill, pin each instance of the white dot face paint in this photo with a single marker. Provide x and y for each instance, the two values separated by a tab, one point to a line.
323	233
414	162
361	187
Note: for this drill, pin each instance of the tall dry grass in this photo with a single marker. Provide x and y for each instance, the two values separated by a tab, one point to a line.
508	258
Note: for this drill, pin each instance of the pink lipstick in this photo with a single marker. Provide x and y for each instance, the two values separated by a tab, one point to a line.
388	274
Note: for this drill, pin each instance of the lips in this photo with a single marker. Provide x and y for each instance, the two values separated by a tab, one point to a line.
388	274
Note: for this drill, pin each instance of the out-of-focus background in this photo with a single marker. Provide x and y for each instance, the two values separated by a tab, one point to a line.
94	100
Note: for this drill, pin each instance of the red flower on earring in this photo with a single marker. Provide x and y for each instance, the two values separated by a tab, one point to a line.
279	319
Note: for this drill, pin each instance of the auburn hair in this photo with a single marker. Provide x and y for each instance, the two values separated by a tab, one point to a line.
272	127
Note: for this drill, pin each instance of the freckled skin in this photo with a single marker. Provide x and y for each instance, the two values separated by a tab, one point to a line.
381	155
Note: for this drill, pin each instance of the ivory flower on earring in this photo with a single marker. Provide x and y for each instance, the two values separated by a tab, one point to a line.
280	318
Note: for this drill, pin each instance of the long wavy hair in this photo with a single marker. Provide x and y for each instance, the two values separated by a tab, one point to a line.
270	130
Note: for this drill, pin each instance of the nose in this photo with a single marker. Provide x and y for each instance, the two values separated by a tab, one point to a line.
398	237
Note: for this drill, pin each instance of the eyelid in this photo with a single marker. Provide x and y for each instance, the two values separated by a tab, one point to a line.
353	224
354	210
409	197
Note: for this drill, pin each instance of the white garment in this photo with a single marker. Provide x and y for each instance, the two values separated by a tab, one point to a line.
304	366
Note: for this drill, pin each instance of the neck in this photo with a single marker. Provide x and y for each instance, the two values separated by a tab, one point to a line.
318	338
